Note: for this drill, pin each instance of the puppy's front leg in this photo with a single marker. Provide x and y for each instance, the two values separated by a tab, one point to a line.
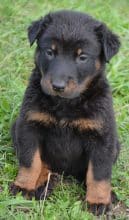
33	172
31	177
98	182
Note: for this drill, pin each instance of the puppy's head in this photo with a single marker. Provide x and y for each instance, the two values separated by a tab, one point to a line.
72	49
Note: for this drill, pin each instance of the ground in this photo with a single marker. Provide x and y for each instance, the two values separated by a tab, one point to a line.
16	63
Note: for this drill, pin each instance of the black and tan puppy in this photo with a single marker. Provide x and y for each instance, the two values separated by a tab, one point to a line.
66	123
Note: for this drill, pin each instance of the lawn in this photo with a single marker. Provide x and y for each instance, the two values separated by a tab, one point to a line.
16	63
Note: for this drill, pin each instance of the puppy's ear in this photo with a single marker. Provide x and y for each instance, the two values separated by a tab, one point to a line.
38	27
109	41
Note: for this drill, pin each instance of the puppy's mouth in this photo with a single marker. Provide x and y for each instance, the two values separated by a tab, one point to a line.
71	90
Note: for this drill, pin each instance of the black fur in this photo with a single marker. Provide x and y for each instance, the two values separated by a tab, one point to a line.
68	150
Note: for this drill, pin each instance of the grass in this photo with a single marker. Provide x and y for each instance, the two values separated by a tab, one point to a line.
16	63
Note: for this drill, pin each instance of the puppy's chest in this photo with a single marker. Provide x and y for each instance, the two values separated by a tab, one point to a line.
62	148
62	141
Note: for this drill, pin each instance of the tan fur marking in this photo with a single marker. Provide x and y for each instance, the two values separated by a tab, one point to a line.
73	86
81	124
27	178
85	85
97	64
43	175
40	117
84	124
53	46
79	51
98	192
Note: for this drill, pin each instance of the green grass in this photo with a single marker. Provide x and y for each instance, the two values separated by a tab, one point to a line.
16	63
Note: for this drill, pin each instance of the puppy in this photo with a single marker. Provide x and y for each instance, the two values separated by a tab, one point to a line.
66	122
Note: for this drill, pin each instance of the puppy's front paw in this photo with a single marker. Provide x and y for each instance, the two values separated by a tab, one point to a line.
99	209
46	190
99	201
39	193
14	190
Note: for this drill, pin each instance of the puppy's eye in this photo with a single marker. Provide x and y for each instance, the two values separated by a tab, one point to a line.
82	58
50	53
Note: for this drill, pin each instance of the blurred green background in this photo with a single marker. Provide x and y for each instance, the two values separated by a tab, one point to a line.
16	63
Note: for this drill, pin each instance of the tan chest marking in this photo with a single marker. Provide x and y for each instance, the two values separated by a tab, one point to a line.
82	124
41	117
87	124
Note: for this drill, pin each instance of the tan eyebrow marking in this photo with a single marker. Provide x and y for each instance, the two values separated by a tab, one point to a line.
53	46
79	51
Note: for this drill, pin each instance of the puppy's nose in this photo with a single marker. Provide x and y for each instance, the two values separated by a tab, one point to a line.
58	86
